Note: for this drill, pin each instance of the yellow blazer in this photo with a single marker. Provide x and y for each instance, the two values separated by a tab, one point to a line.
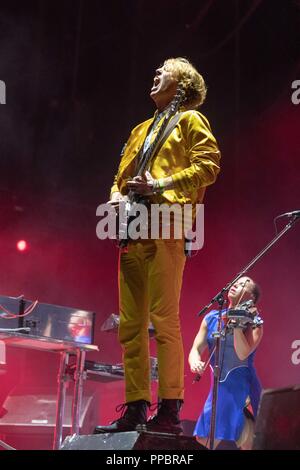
190	155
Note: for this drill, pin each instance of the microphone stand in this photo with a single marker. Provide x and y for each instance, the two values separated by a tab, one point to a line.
219	298
216	371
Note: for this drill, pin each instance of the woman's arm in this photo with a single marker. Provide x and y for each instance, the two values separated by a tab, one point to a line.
198	347
245	342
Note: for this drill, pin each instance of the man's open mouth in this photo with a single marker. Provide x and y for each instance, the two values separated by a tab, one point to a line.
156	82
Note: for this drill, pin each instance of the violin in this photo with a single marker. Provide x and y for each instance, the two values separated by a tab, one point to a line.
242	316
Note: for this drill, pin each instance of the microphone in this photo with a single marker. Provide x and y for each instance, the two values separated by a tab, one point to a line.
290	214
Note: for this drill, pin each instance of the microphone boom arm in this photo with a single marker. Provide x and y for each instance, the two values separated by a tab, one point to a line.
249	265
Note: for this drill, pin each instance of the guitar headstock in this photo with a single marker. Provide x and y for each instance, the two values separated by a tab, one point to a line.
176	101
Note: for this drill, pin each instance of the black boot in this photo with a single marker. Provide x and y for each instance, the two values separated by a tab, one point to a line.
133	418
167	417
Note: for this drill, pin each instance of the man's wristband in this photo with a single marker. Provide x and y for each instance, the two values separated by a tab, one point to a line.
158	186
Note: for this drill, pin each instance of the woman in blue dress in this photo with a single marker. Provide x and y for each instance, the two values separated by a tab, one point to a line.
239	388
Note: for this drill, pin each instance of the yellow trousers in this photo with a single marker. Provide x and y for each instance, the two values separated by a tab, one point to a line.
150	279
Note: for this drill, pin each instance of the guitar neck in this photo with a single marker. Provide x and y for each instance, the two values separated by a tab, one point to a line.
147	157
150	152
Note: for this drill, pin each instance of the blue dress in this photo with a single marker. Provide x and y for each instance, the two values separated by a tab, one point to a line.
238	381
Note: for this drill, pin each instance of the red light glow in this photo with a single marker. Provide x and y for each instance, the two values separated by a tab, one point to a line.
22	245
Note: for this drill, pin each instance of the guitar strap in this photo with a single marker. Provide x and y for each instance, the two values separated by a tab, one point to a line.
168	130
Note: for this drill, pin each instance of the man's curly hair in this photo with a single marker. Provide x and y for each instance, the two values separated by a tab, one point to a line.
190	81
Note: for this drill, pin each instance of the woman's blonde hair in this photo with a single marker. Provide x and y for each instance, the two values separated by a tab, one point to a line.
189	80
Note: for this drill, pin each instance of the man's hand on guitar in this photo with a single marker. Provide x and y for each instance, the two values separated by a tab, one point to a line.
115	199
143	185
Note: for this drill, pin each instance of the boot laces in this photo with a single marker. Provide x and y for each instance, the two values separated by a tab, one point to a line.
163	412
122	408
160	410
127	411
154	406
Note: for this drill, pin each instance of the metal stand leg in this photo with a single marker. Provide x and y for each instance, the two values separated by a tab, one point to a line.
217	336
6	446
62	381
78	387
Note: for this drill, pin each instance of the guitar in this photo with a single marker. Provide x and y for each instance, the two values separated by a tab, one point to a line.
128	205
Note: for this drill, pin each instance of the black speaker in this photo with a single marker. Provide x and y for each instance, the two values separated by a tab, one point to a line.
30	413
278	422
132	440
188	427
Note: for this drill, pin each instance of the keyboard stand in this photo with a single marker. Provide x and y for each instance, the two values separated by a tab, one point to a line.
65	349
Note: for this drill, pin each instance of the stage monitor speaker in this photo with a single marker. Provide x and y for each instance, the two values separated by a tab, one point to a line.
30	412
132	440
278	422
188	427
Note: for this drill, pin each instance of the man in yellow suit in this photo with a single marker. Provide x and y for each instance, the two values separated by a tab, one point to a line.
151	270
